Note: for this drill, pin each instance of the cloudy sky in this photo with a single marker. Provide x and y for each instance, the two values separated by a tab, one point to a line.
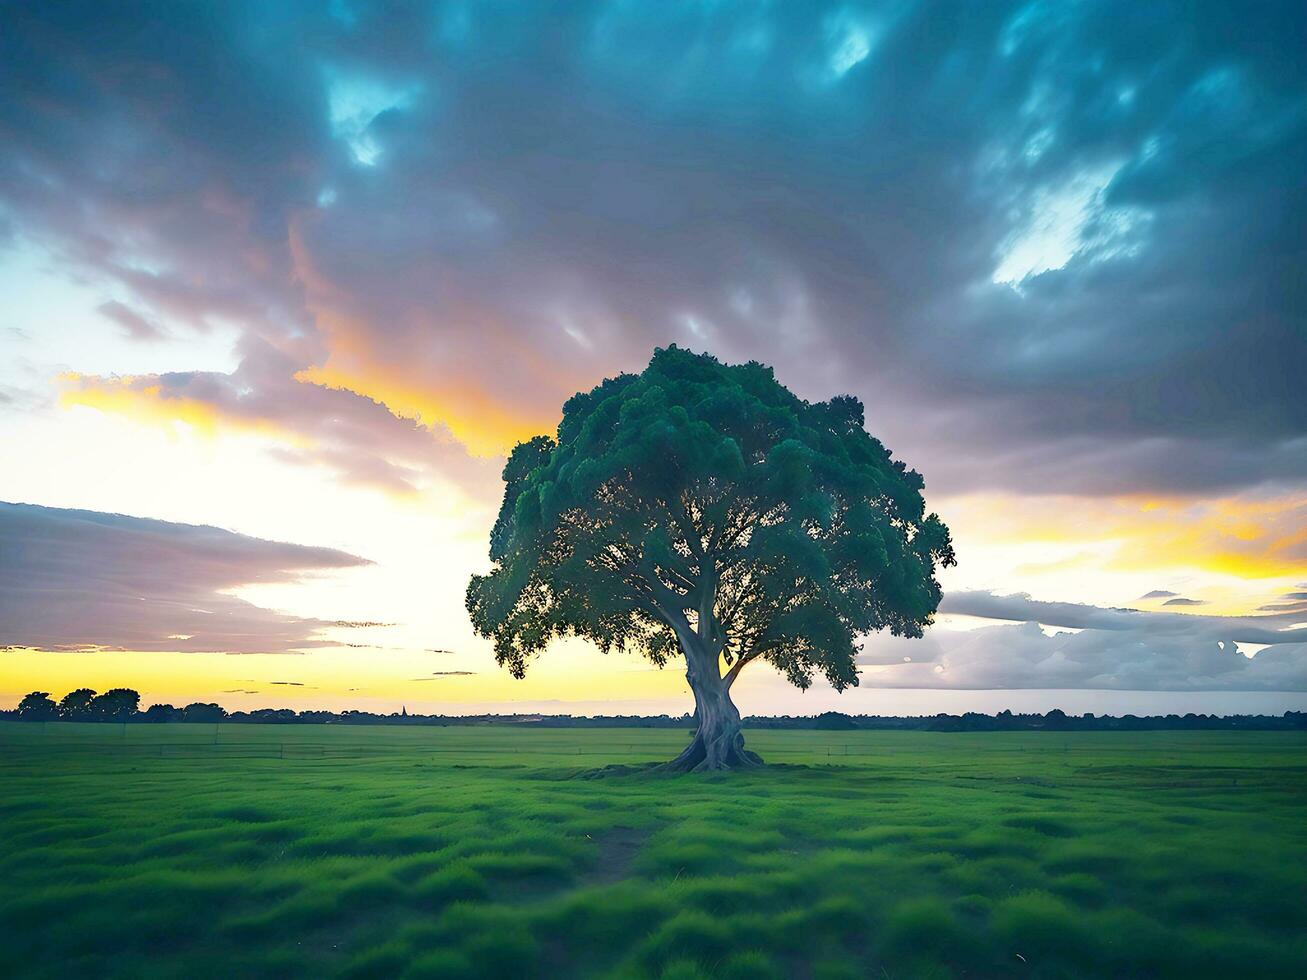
284	282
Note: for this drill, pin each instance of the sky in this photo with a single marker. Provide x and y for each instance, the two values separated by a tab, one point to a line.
284	282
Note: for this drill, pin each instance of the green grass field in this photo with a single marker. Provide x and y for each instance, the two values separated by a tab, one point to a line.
458	852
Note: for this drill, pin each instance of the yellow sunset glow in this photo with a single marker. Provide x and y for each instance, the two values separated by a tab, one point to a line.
473	416
149	404
1232	553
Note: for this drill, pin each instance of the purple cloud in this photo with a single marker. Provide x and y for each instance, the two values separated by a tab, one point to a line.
135	325
83	580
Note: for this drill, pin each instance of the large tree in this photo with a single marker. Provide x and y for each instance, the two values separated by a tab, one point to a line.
702	508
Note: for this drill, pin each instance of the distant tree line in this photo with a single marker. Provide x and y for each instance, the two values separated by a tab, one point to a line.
122	704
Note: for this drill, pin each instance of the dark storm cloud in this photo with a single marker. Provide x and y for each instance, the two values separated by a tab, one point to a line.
1053	246
1114	649
75	579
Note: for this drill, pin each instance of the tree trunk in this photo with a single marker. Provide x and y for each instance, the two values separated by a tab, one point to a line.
718	742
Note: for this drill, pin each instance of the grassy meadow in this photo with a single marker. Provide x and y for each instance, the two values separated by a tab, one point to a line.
306	851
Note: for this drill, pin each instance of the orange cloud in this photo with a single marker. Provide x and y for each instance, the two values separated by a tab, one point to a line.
359	437
474	417
1241	537
144	400
491	383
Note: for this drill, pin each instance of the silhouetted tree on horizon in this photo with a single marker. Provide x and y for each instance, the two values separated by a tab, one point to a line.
202	712
117	704
38	706
76	705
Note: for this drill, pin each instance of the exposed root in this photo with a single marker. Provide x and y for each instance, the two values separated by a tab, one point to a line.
722	753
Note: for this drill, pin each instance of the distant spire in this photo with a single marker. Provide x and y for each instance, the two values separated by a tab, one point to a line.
403	712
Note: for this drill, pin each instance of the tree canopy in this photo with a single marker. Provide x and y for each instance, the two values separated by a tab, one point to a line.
703	507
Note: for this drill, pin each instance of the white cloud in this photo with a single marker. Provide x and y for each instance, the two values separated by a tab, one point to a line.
354	102
850	43
1069	645
1066	220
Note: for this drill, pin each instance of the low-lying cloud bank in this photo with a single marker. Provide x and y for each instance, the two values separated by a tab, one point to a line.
1113	649
84	580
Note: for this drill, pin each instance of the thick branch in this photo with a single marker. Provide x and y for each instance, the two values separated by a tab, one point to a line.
707	601
692	535
666	596
738	666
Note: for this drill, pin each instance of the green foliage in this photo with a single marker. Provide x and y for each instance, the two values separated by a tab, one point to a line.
470	852
700	496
